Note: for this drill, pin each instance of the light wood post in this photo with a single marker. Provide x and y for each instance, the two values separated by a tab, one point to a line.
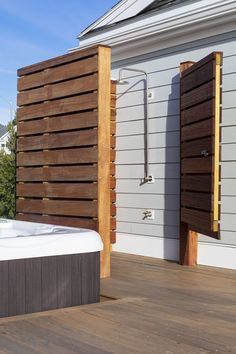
104	113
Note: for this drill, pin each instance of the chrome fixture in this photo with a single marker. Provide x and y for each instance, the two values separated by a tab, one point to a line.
121	81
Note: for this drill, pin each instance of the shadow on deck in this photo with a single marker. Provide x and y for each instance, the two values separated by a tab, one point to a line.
161	308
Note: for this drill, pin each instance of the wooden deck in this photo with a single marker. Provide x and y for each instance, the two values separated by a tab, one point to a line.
162	308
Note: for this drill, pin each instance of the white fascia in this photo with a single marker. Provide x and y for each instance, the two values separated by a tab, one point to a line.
196	20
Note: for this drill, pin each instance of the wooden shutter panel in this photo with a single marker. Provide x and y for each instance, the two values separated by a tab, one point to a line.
200	143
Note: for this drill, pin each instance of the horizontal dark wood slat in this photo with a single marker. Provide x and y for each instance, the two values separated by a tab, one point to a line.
60	106
198	77
62	89
197	217
196	147
113	196
113	237
200	63
59	140
58	190
198	95
198	130
57	74
59	123
60	60
55	173
198	113
197	183
197	165
58	157
57	207
202	201
87	223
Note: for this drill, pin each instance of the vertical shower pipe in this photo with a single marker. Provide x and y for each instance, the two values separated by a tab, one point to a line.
147	177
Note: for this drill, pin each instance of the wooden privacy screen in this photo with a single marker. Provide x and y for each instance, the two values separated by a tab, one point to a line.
200	86
65	143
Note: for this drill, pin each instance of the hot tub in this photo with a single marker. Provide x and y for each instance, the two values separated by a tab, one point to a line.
45	267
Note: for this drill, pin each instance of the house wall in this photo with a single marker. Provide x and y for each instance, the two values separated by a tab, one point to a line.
3	141
159	237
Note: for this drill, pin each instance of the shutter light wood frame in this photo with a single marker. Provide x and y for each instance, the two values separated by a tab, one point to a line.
200	116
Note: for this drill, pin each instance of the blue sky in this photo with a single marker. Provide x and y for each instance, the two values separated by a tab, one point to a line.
33	30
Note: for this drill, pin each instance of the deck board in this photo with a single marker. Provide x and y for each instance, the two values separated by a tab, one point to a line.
161	308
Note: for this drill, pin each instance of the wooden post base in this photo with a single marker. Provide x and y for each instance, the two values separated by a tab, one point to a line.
188	246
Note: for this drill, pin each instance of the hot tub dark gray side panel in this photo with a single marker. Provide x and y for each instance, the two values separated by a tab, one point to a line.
40	284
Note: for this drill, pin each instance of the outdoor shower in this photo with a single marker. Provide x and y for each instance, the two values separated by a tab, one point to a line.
148	178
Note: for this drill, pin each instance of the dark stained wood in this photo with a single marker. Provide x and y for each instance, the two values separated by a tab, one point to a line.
56	174
197	200
33	285
196	147
4	288
58	207
60	106
58	190
57	157
16	287
59	140
59	123
209	58
198	77
60	60
85	222
64	279
49	283
200	107
58	74
200	183
196	217
198	130
66	135
198	95
197	165
197	113
58	90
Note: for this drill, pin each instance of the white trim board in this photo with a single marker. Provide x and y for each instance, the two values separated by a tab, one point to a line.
210	254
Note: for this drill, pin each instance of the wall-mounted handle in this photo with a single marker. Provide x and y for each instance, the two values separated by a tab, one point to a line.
205	153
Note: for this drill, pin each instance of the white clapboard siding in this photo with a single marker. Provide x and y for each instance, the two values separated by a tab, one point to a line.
163	93
228	205
228	99
137	81
167	155
147	201
228	187
159	140
161	217
172	60
228	134
228	222
229	82
163	196
136	186
157	170
149	230
157	109
156	125
228	152
228	170
228	116
227	238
